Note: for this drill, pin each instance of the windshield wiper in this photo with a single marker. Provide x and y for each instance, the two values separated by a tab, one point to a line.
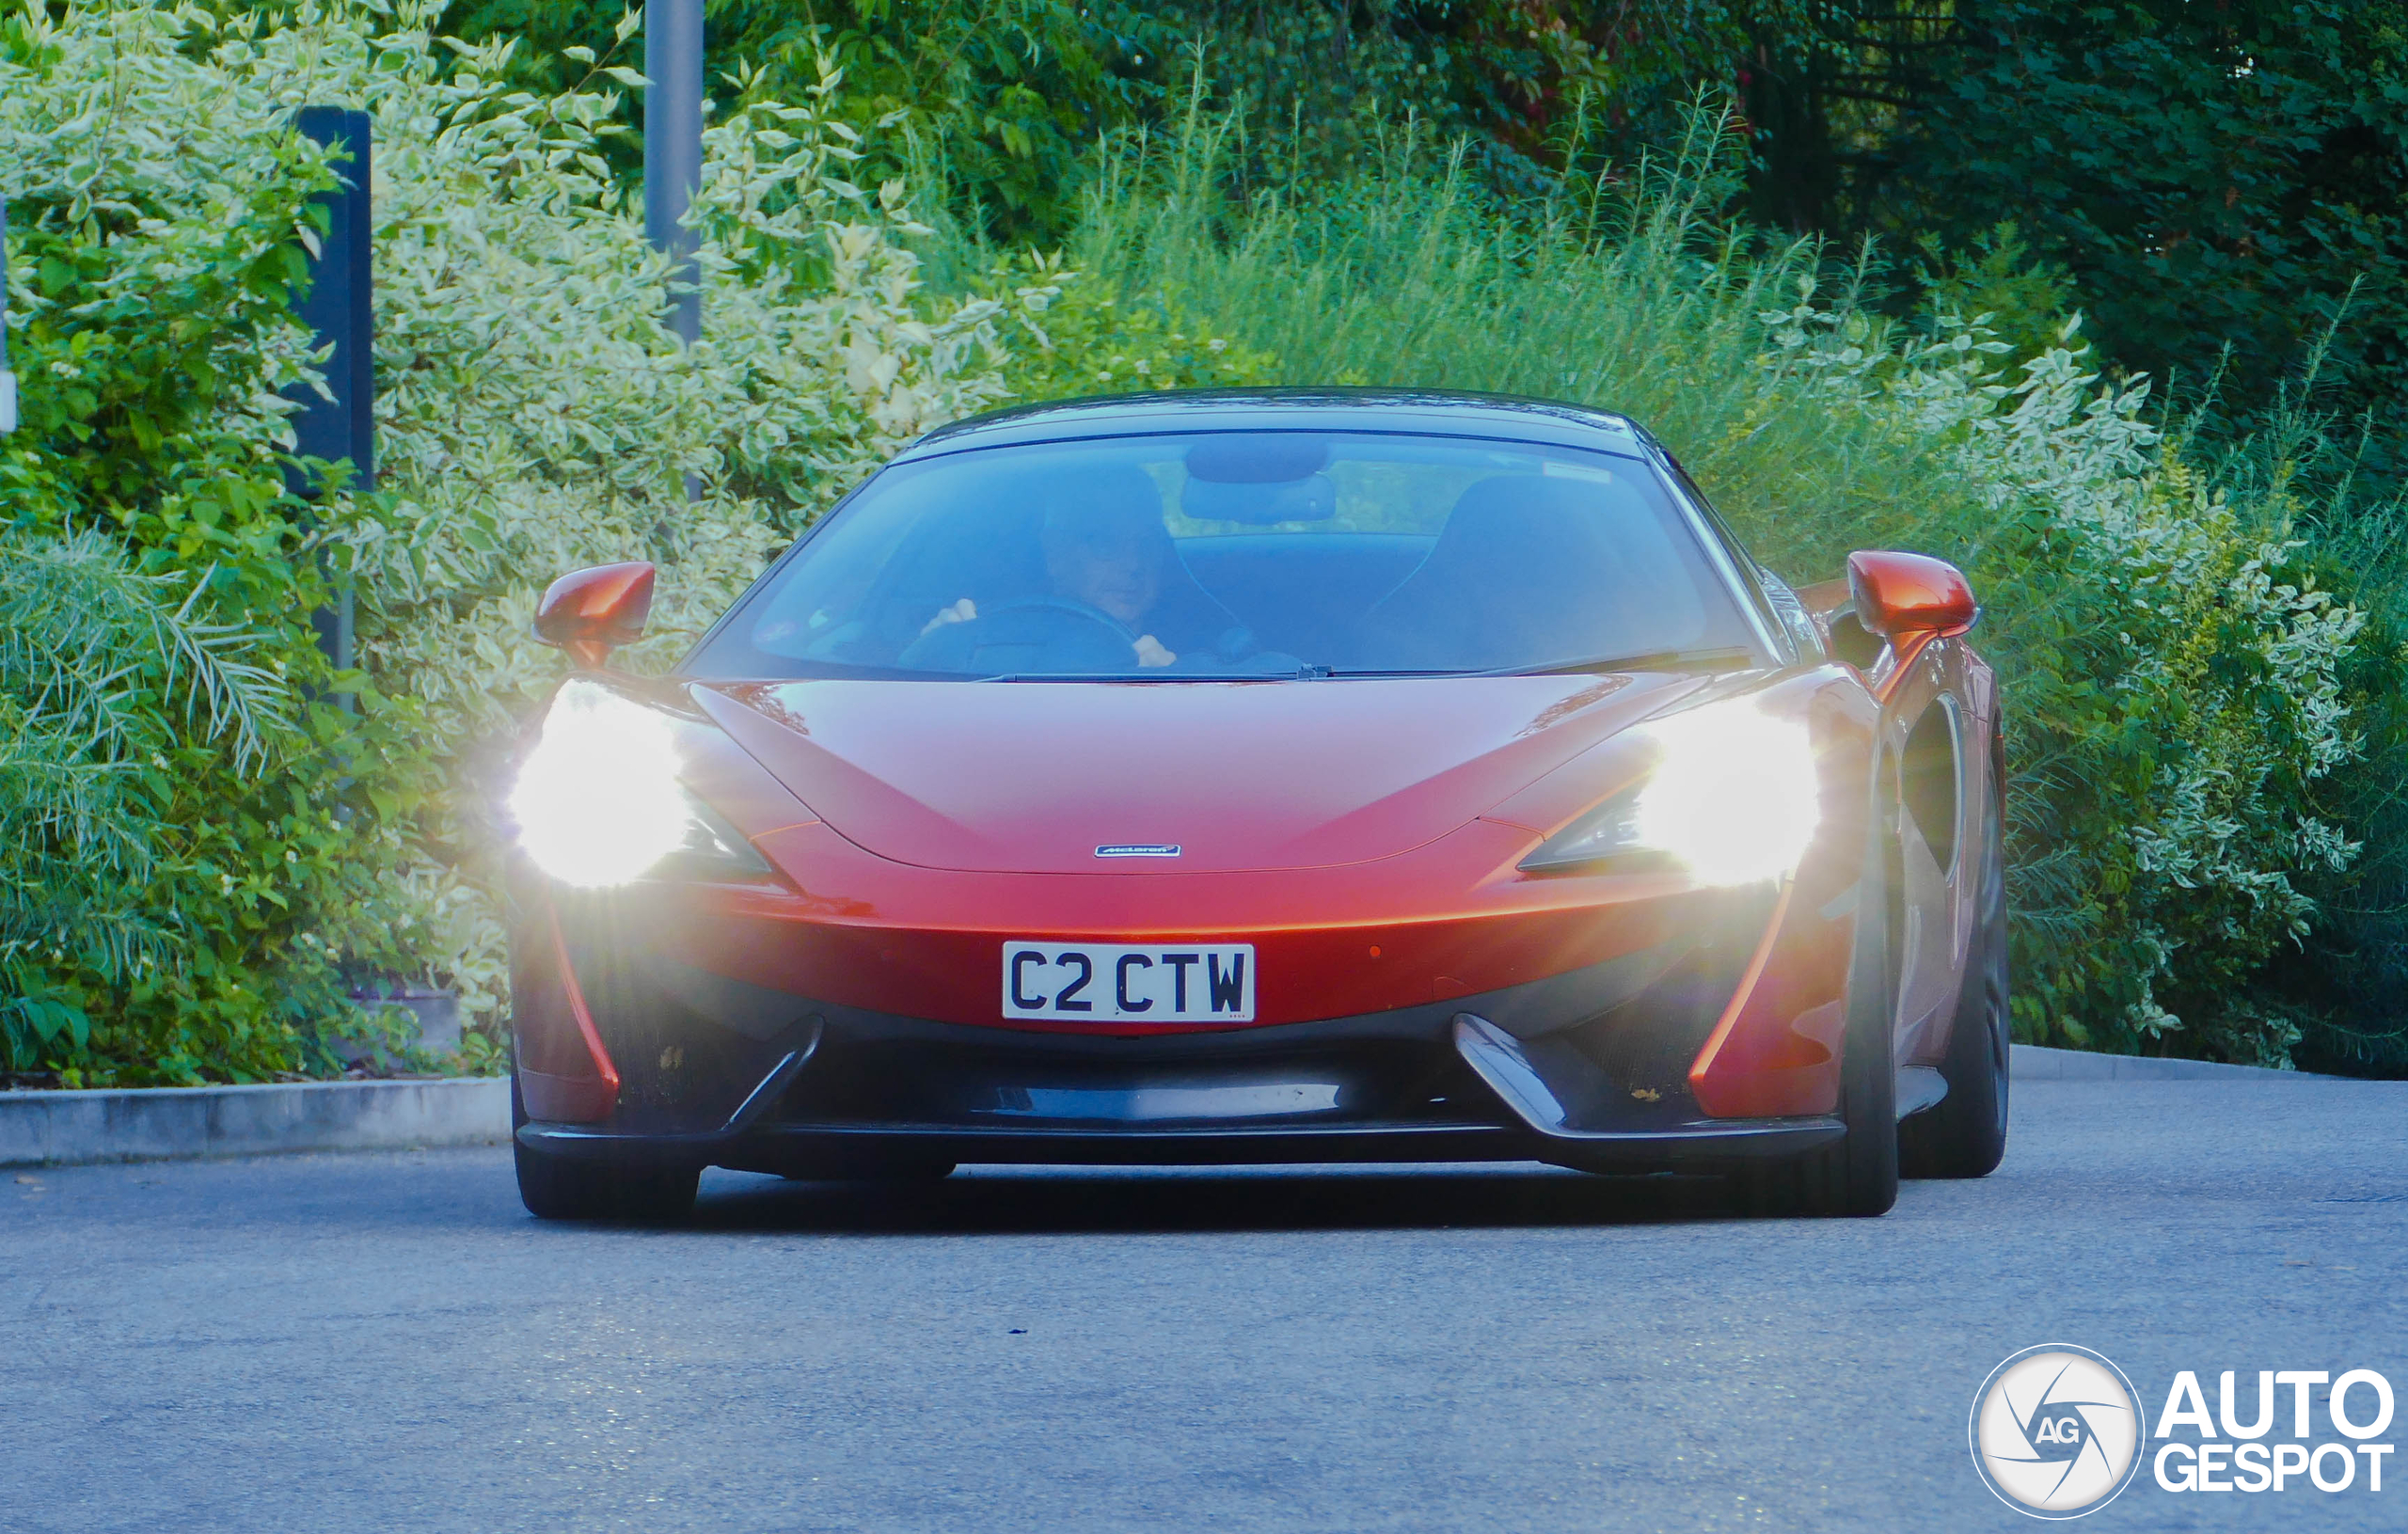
1162	675
1730	660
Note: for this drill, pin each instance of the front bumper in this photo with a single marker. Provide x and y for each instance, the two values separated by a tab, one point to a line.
1584	1069
1610	1022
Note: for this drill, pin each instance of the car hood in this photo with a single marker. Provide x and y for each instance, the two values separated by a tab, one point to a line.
1033	777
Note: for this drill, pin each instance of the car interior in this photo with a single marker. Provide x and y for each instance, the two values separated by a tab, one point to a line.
1262	563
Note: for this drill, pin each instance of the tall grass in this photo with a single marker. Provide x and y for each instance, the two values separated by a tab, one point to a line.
2352	970
1623	293
2178	692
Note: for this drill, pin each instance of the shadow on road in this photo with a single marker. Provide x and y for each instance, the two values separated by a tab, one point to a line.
1054	1203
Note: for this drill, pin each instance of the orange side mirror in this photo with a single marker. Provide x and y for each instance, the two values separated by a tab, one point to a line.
591	612
1898	595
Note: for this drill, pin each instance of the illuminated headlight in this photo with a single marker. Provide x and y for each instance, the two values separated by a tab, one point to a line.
598	801
1733	799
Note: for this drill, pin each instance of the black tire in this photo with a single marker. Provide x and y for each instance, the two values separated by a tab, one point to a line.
1964	1133
560	1188
1857	1178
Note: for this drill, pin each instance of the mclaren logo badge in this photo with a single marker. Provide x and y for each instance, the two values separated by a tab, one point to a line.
1138	850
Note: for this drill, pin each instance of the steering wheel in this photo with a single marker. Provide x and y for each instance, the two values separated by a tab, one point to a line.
1093	617
1056	632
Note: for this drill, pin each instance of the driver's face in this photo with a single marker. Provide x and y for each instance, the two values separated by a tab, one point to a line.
1111	569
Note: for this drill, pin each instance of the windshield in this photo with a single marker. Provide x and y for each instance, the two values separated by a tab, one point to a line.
1256	554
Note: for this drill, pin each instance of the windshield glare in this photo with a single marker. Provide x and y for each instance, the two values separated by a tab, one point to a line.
1256	554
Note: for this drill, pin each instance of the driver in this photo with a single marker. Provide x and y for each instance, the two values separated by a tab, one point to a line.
1110	556
1105	547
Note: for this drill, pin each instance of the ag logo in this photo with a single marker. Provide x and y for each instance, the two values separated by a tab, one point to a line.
2056	1432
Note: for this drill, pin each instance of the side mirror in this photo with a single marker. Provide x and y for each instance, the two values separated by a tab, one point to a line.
590	613
1901	595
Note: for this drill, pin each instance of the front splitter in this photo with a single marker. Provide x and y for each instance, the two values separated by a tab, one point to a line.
782	1148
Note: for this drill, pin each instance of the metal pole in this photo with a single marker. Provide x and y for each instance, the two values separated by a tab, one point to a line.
340	311
673	145
8	379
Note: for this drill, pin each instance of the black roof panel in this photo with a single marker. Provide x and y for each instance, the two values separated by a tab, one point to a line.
1429	412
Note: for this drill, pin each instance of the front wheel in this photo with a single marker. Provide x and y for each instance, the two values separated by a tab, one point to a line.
1964	1133
1858	1176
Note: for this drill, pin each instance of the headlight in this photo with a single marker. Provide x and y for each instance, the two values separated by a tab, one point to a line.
1733	798
598	802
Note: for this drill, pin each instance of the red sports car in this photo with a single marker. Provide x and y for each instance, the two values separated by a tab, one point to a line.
1270	776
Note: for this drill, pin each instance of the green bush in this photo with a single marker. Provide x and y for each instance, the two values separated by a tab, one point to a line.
156	228
533	415
2175	701
2187	707
2173	672
102	674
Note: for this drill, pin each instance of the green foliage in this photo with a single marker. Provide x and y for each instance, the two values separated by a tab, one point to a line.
2214	177
206	849
1004	94
2174	673
101	673
2208	176
1322	86
2345	980
255	846
1001	96
536	416
1003	99
2176	704
223	876
2024	300
1622	292
1088	340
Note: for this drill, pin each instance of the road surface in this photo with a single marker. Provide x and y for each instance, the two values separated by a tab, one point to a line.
387	1342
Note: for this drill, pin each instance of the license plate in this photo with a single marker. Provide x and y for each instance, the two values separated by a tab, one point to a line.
1088	982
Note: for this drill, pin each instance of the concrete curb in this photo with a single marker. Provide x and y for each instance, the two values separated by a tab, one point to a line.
169	1123
2031	1063
60	1128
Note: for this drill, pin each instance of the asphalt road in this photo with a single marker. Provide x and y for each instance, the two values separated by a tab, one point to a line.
387	1342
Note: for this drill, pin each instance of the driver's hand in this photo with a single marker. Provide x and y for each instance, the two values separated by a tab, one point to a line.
962	611
1150	651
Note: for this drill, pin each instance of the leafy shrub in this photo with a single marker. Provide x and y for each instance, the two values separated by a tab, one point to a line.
102	671
1003	95
155	216
2181	687
533	415
2344	983
1090	339
2173	693
2174	675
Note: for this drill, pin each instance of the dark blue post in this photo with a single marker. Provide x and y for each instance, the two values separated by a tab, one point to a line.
340	308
